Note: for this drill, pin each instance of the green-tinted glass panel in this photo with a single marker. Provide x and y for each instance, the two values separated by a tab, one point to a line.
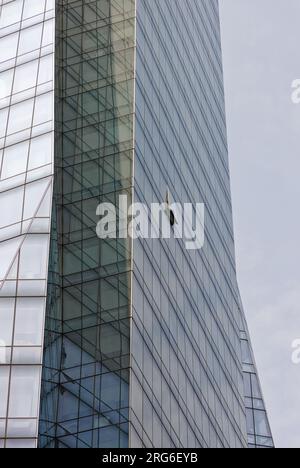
85	396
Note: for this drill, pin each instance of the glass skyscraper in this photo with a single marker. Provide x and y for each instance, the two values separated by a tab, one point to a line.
108	343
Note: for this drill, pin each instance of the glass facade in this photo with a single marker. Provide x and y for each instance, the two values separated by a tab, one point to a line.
84	402
259	432
187	381
26	172
117	342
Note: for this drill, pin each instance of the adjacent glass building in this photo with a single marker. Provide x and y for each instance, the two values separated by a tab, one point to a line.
117	342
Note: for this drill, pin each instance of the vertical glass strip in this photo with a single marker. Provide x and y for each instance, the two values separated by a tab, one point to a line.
85	399
258	427
26	173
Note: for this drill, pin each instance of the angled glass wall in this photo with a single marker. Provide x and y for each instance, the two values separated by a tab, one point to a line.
85	401
187	380
258	427
26	172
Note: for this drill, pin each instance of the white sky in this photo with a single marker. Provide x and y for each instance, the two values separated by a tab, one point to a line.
261	59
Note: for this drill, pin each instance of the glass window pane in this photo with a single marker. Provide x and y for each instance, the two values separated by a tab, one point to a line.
250	421
50	4
30	39
15	160
4	376
43	109
45	208
7	200
3	121
33	8
261	423
26	76
6	83
7	308
11	13
24	392
46	69
20	117
255	387
2	430
21	443
35	192
247	385
14	269
8	47
246	353
20	427
29	322
48	34
8	252
33	257
27	355
40	151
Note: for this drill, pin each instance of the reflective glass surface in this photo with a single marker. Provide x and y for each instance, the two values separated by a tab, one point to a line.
187	379
258	428
84	402
26	172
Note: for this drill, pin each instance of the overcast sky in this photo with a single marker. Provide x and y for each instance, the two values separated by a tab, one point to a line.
261	60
